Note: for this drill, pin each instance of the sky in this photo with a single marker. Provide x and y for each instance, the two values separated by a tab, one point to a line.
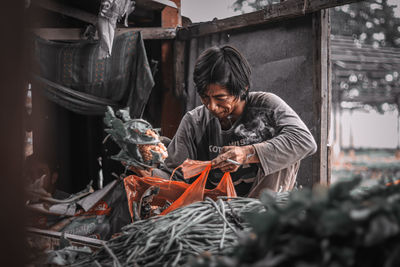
205	10
370	129
397	9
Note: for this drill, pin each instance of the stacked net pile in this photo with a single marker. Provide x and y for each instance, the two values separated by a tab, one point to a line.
203	227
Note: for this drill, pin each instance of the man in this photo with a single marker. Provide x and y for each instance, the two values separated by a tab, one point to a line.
255	136
42	177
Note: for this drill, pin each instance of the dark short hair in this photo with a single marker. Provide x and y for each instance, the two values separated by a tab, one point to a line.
224	66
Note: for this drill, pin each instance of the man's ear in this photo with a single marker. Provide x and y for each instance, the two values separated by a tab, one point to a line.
54	177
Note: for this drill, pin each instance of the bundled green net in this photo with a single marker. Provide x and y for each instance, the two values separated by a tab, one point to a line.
345	225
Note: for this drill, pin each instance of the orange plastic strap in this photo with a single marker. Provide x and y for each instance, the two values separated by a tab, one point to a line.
191	168
226	185
194	193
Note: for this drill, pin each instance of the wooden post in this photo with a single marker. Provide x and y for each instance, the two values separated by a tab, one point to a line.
14	47
321	95
329	168
397	153
171	106
329	101
179	68
148	33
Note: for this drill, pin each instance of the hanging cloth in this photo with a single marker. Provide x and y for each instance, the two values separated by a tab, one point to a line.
72	75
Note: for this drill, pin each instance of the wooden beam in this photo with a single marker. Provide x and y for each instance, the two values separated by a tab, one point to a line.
83	240
82	15
155	4
179	68
366	59
152	33
14	67
363	54
329	98
76	33
67	10
172	110
283	10
370	99
321	88
350	67
367	48
329	162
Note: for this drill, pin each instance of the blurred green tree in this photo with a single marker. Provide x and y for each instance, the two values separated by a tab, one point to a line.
371	21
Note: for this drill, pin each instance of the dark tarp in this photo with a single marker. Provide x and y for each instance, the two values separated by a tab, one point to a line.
72	75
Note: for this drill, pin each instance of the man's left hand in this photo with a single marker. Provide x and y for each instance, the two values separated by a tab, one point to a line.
235	153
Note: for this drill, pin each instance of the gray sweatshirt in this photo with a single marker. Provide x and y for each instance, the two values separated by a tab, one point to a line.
279	136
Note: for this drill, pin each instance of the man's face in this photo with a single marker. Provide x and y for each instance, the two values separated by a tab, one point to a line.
219	101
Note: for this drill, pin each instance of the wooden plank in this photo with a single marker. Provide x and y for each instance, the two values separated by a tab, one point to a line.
152	33
179	51
148	33
346	65
329	99
329	164
14	66
82	15
283	10
360	68
67	10
371	99
320	24
343	75
370	47
373	91
172	110
155	4
92	242
362	53
340	48
366	59
179	67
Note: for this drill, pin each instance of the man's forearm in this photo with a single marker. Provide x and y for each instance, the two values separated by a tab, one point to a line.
284	150
251	154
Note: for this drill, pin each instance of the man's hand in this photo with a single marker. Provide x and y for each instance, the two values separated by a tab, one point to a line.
240	154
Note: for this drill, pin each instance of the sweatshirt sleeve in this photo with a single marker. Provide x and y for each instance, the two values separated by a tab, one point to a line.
292	142
183	143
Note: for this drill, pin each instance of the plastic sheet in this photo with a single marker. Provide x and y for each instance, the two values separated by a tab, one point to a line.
178	193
